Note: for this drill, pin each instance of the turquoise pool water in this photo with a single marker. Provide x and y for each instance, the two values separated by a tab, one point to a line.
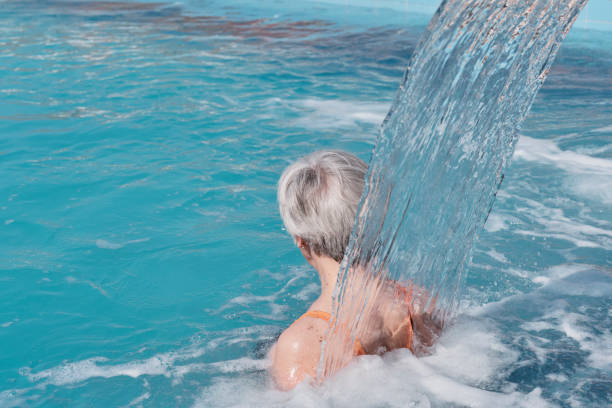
143	260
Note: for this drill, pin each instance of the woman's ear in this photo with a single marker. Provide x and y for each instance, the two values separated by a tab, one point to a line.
304	247
299	242
302	244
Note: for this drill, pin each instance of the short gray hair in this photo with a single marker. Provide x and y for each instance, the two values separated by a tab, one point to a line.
318	197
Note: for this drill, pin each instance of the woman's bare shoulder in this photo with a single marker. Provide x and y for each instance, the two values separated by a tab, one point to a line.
297	352
304	336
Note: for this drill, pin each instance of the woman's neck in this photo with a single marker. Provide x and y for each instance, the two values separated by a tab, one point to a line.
328	270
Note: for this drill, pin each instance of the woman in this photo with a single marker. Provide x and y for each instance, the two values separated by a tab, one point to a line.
318	197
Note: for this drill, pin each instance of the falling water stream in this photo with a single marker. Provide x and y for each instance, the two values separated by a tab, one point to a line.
441	153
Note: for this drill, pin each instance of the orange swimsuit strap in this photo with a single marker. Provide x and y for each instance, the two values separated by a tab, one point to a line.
319	314
358	347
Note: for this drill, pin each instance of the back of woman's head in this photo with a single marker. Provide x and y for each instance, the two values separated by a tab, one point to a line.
318	197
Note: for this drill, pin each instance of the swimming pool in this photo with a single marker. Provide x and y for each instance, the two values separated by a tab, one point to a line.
144	262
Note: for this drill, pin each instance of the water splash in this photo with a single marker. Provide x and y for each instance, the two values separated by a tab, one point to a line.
441	153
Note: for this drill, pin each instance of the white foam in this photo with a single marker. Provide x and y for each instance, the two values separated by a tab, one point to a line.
474	339
592	176
308	292
82	111
467	356
86	42
495	222
594	151
240	365
93	285
104	244
604	129
397	380
72	373
79	371
10	323
216	55
139	400
568	325
172	364
557	225
333	114
558	272
595	187
598	346
11	91
556	377
562	280
537	326
497	256
547	151
276	310
12	398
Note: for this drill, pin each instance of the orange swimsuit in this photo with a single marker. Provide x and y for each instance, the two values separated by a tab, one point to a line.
318	314
358	349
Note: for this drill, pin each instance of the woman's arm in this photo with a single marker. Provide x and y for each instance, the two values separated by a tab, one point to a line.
287	369
296	353
407	322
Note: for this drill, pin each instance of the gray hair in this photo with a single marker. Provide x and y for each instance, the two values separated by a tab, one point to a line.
318	197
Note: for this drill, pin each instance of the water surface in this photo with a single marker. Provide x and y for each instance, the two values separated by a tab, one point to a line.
143	259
